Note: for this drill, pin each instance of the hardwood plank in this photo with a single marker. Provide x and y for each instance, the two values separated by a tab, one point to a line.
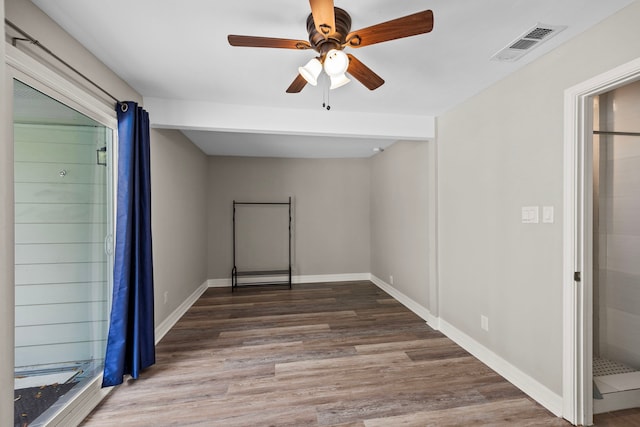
520	412
342	355
624	418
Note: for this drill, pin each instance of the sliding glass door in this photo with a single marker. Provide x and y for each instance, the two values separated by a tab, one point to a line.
63	233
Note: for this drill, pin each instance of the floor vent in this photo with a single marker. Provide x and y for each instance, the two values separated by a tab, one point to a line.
527	41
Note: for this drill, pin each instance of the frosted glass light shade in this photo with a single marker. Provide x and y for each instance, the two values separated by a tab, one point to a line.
311	71
336	62
337	81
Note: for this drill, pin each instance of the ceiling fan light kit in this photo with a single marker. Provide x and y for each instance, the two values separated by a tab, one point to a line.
336	63
311	71
329	31
338	81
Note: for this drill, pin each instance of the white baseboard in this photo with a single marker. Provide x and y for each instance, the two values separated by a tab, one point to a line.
418	309
533	388
166	325
434	322
318	278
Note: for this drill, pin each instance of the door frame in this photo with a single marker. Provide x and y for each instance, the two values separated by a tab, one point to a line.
23	67
577	239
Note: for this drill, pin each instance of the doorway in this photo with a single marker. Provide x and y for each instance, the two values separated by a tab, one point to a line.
63	228
579	243
616	249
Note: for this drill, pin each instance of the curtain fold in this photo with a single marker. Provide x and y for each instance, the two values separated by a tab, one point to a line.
131	339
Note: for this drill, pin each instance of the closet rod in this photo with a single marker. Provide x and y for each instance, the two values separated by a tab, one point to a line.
33	41
606	132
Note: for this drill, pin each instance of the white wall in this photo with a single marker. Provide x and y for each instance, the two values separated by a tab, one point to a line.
619	290
499	151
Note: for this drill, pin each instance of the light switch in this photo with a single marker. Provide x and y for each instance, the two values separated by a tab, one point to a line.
547	214
530	214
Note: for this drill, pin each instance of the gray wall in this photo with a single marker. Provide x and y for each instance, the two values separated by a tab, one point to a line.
400	218
508	154
330	203
177	173
179	219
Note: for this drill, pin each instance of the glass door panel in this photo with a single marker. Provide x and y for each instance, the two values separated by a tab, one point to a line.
62	220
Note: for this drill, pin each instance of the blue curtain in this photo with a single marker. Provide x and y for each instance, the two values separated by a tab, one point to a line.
131	340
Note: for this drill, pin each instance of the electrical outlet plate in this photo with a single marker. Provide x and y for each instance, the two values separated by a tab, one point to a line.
484	322
547	214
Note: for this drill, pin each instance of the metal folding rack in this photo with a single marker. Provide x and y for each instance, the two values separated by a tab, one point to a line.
283	276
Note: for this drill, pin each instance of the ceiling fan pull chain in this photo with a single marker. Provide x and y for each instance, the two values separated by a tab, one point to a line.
327	92
324	98
328	100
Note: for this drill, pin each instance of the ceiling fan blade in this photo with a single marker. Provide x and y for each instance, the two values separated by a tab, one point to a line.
297	85
407	26
254	41
323	16
363	74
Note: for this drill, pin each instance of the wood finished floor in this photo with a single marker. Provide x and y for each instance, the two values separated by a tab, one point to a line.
626	418
327	354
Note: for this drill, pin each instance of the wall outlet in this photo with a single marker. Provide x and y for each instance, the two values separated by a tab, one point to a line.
391	280
484	322
166	297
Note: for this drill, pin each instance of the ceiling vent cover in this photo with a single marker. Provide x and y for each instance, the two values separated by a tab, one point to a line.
530	39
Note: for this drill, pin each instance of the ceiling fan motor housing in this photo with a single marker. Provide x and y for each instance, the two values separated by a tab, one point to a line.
336	39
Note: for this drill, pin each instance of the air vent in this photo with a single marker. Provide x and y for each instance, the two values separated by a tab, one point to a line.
523	44
527	41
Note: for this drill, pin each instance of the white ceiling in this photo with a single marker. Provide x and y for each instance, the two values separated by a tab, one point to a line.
176	53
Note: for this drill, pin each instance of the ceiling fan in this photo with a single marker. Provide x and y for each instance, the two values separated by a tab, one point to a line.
329	29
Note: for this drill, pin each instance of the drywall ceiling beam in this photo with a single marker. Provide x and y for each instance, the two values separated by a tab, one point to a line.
195	115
